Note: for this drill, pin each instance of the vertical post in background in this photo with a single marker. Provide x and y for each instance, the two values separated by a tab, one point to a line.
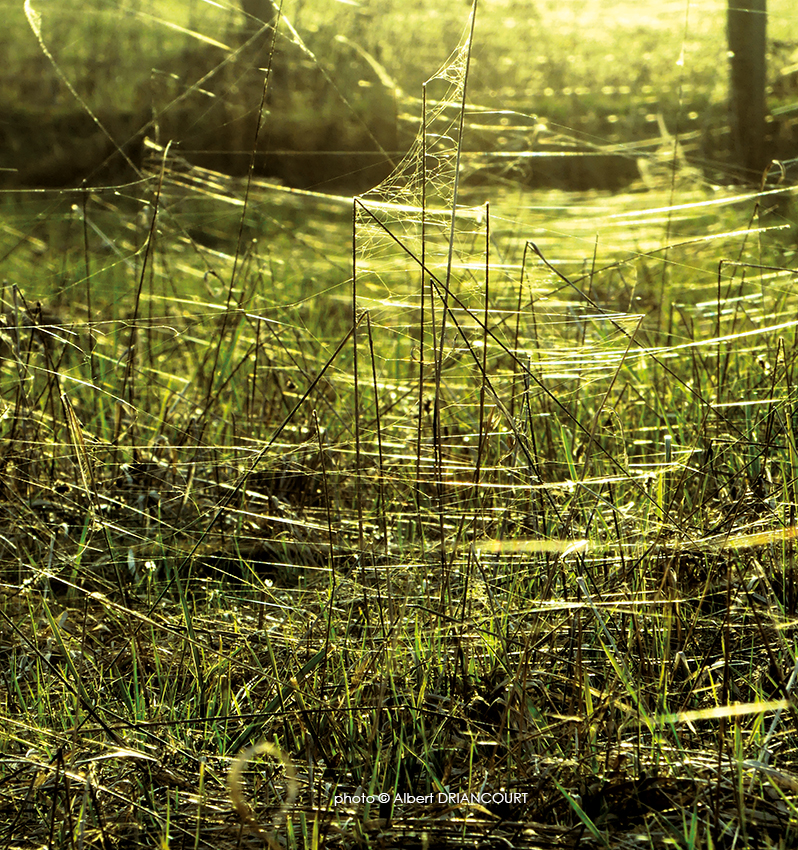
746	25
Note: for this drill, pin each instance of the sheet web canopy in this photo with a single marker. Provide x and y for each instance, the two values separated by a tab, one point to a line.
412	241
405	223
423	270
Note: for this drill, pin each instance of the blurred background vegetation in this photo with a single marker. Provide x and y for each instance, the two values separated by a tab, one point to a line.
606	78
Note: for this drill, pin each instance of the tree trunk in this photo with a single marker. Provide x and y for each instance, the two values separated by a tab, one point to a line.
746	29
259	12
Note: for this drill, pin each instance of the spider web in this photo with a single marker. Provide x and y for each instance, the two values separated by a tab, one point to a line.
410	222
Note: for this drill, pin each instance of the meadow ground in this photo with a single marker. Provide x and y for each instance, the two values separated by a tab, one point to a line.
334	522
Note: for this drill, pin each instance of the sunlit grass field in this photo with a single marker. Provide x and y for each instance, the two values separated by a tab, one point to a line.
460	486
